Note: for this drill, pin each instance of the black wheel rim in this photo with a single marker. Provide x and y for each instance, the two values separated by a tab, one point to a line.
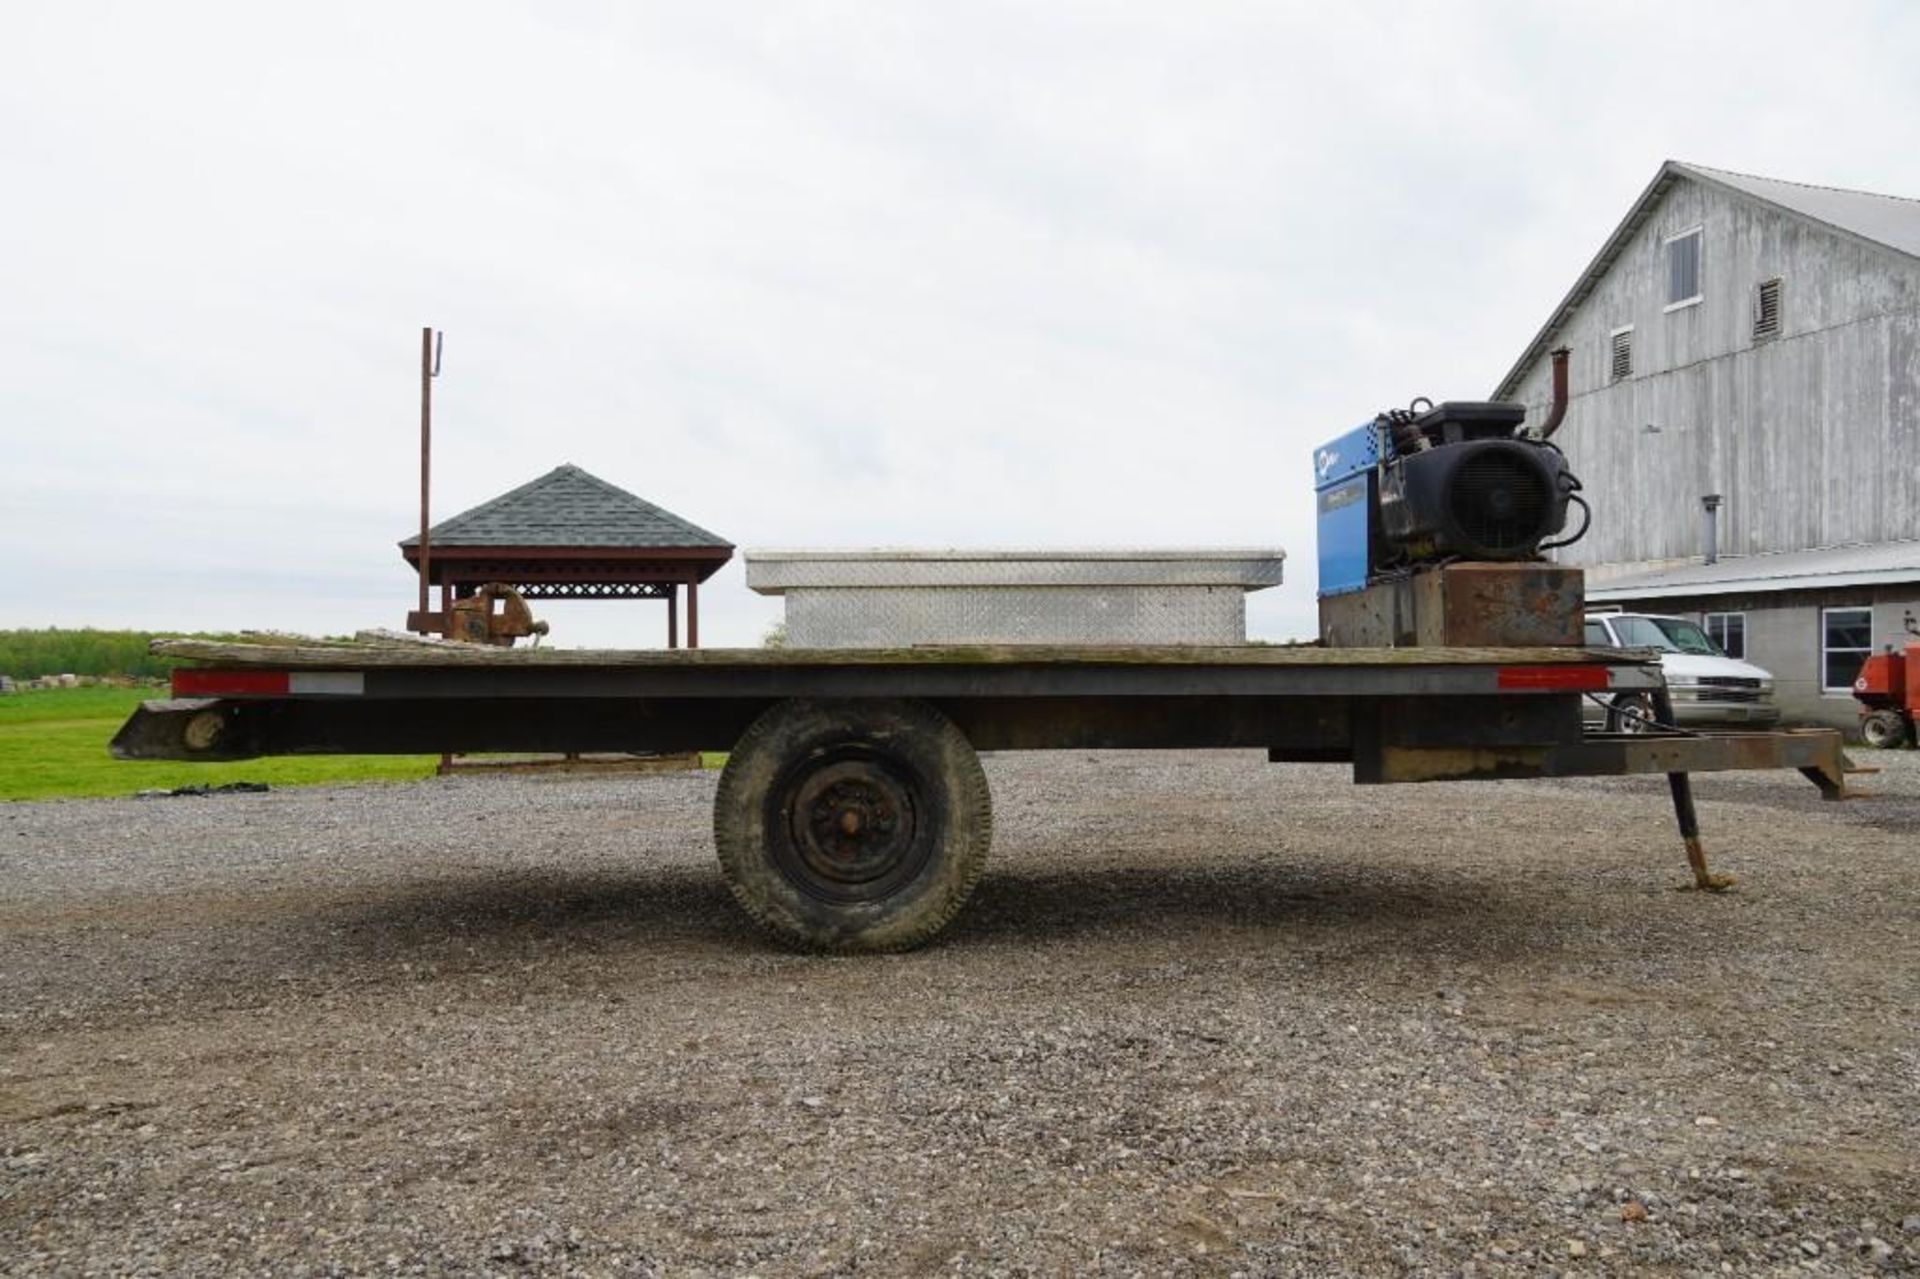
849	825
1636	715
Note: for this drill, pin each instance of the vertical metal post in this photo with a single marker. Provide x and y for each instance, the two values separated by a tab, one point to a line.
673	615
429	370
693	613
1681	785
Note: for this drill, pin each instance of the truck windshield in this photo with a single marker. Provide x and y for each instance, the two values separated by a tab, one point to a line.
1668	634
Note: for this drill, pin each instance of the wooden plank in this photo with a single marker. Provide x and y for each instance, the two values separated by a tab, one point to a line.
333	655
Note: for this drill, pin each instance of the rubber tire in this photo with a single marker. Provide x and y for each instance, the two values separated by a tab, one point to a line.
1884	730
948	790
1618	723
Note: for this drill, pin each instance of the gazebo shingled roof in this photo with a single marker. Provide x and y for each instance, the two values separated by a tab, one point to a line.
572	535
567	507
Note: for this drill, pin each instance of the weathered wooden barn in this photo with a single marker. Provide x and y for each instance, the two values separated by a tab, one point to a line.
1745	414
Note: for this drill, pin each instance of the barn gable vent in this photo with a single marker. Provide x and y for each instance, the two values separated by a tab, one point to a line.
1622	365
1766	310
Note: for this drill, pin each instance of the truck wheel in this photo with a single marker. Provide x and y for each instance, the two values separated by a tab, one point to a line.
1884	730
855	825
1631	713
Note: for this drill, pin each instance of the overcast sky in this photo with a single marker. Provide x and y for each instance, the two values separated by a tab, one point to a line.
808	274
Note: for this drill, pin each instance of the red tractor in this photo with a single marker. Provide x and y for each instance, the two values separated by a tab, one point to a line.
1888	690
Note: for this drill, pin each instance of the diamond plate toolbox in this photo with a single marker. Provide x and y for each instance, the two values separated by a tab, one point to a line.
890	598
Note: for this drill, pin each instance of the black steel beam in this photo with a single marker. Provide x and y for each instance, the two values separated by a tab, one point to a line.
1298	727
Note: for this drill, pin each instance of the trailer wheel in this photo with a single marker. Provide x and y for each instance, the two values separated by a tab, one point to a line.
1884	730
1631	713
855	825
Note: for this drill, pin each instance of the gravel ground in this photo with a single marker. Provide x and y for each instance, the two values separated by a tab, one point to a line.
1204	1015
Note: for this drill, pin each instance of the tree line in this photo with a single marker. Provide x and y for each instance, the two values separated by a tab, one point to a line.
25	654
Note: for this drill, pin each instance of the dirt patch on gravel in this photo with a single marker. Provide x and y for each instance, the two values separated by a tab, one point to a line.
1204	1014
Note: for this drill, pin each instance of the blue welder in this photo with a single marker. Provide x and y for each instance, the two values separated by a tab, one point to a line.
1432	485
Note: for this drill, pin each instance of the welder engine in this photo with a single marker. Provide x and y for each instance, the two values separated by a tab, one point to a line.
1431	485
1461	484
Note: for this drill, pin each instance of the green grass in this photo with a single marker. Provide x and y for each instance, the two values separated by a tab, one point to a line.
53	745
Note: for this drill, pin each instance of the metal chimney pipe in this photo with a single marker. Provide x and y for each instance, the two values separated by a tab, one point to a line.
1558	409
1711	503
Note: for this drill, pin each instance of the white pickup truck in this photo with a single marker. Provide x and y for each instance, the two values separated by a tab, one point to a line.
1708	687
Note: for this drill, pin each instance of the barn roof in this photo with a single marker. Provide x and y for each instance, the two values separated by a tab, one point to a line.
1889	221
567	507
1863	565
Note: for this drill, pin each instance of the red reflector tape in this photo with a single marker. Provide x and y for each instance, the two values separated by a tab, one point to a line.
1556	678
200	683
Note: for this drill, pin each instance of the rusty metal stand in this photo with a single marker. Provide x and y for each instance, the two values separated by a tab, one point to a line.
1683	811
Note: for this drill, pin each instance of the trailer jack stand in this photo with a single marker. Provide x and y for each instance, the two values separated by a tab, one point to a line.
1681	785
1704	880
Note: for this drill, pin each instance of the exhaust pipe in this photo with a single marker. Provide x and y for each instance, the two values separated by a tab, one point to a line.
1558	409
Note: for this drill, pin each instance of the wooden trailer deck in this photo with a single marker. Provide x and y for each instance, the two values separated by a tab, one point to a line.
383	649
380	667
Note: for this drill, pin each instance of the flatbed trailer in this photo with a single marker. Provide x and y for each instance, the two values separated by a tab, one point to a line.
853	814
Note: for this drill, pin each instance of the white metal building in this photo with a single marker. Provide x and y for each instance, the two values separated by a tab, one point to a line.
1745	414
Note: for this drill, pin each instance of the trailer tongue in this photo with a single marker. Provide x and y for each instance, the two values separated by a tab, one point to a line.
853	814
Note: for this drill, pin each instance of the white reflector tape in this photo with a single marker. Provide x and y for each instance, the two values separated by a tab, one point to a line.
336	683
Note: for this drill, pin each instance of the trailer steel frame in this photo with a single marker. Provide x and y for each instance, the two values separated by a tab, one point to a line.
898	775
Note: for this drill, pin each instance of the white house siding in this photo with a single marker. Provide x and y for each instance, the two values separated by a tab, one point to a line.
1810	436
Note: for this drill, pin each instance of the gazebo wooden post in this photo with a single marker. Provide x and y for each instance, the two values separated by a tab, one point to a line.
673	616
693	611
446	604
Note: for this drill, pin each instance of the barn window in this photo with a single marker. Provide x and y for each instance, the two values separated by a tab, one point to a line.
1766	310
1729	631
1846	637
1683	269
1622	354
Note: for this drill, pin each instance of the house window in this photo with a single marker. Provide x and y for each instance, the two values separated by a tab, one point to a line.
1729	631
1683	269
1766	310
1622	353
1846	637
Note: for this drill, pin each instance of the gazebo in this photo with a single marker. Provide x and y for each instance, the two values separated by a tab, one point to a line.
570	535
